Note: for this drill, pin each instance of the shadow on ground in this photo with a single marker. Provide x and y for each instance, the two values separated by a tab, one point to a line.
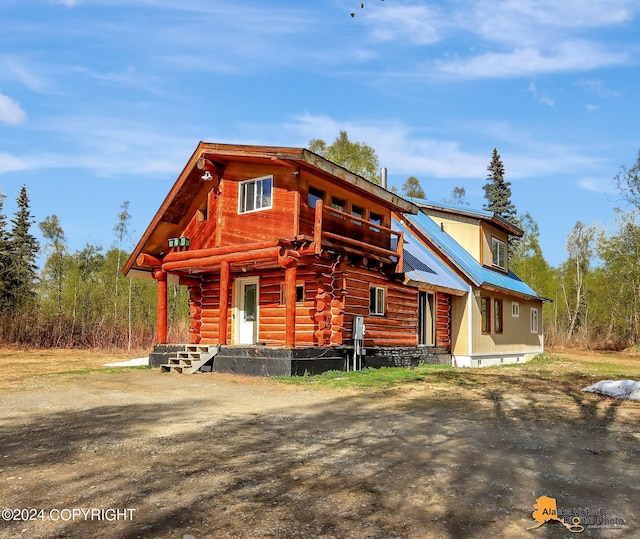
359	466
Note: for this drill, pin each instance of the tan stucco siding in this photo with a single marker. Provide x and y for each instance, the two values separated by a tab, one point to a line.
463	229
516	335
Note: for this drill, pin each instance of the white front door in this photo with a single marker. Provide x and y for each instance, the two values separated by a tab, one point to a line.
247	296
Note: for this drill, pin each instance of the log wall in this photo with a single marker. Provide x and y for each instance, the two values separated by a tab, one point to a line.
334	292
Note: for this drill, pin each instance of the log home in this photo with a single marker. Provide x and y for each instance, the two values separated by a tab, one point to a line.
294	264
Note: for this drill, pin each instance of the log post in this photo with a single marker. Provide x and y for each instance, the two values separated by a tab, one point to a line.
224	304
290	313
161	314
317	227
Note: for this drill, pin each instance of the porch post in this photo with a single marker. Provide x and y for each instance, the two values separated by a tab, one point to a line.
161	314
224	305
290	313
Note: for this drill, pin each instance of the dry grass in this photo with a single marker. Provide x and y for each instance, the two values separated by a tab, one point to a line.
19	365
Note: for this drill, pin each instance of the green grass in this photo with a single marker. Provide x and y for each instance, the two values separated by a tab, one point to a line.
545	367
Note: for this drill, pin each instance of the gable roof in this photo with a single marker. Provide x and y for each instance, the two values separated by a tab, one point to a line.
460	258
190	189
482	215
421	266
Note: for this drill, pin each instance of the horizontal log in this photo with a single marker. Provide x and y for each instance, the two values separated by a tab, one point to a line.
215	260
145	260
217	251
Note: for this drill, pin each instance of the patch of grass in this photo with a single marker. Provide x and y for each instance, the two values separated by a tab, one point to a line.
101	370
539	372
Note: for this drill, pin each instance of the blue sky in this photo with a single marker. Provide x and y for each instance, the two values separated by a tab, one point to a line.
103	101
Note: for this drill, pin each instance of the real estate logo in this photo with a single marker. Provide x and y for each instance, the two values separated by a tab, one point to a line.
574	519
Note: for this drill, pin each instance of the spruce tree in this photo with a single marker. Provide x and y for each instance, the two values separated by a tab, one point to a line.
5	259
23	253
498	192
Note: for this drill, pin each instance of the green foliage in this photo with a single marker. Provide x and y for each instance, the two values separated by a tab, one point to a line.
354	156
497	191
628	183
458	197
412	188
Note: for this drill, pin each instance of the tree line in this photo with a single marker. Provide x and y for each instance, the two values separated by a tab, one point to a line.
77	299
82	299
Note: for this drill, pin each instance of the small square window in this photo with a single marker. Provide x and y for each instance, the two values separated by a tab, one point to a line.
255	194
375	219
376	301
338	204
357	212
299	293
314	196
498	253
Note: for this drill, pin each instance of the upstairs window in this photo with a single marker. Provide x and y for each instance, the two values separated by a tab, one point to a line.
375	219
255	194
314	196
498	253
338	204
358	212
376	300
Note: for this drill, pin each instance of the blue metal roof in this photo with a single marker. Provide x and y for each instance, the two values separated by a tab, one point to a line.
422	266
462	259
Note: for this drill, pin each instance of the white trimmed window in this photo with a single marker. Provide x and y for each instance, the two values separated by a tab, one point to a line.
376	300
299	293
533	318
254	195
498	253
515	309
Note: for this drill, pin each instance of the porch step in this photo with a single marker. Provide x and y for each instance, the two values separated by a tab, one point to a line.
190	359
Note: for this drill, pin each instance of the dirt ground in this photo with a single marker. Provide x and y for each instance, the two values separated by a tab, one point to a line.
140	454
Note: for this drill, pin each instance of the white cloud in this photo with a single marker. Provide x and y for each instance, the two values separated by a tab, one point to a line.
569	56
10	111
68	3
595	185
419	24
11	163
540	97
13	68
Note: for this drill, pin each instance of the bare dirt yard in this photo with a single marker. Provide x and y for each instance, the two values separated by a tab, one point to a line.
127	453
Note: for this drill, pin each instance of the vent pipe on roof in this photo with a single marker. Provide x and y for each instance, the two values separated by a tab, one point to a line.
383	177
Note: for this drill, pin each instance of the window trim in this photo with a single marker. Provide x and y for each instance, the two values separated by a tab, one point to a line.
374	294
498	317
534	320
283	293
318	195
515	309
485	315
494	255
242	194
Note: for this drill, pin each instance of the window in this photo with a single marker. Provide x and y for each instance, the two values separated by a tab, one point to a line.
497	315
358	212
533	317
515	309
375	219
498	253
299	293
314	196
376	300
255	194
485	311
338	204
203	211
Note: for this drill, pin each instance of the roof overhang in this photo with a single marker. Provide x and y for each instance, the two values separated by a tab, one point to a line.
208	162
